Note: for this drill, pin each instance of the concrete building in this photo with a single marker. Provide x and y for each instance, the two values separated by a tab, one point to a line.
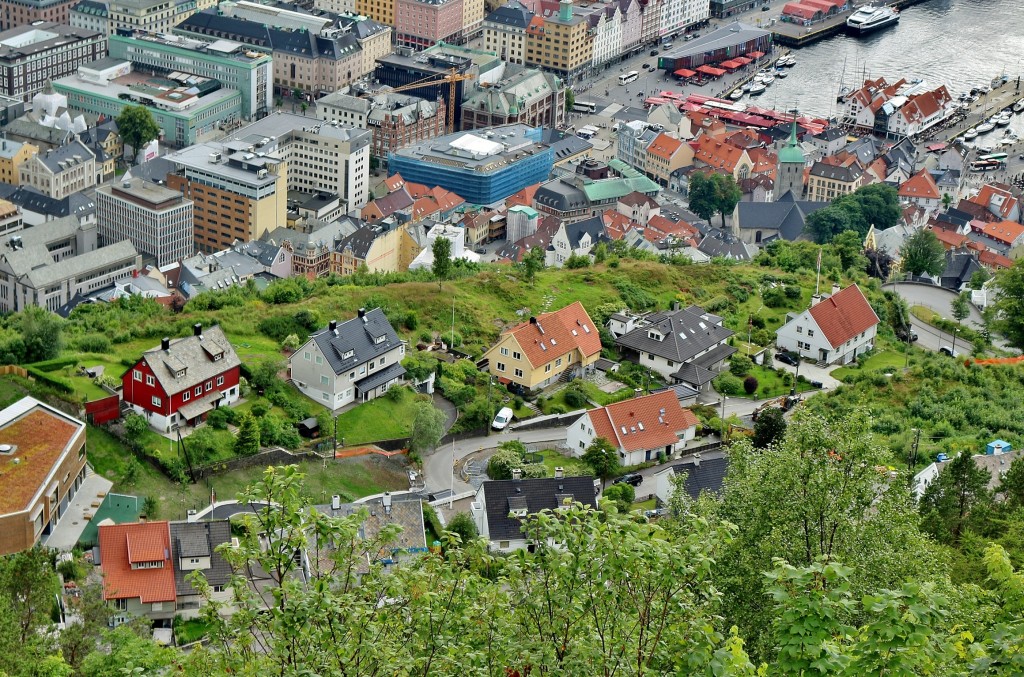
422	23
33	54
14	13
152	16
383	247
191	107
156	219
505	31
232	64
352	361
42	465
47	266
402	68
522	222
394	119
238	194
525	95
734	39
91	15
481	167
60	172
14	154
561	42
827	181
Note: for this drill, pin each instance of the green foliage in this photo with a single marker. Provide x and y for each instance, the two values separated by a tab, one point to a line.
442	266
290	342
923	253
948	501
1009	305
532	263
247	442
1012	484
621	495
137	127
151	507
41	334
774	297
463	525
979	278
875	204
427	428
750	384
502	463
218	419
603	458
576	261
126	649
740	364
575	397
419	366
769	427
711	193
634	296
130	469
265	377
727	384
960	307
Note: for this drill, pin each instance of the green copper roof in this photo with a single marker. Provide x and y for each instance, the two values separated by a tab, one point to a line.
607	189
791	151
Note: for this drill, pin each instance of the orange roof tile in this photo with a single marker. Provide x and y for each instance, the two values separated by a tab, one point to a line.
1006	232
645	422
524	197
949	239
40	438
394	182
122	544
993	260
616	224
920	185
995	196
844	315
555	334
717	154
664	146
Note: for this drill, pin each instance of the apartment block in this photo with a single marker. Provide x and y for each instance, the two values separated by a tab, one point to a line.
395	120
33	54
382	11
561	42
14	154
60	172
525	95
505	31
422	23
14	13
156	219
92	15
155	16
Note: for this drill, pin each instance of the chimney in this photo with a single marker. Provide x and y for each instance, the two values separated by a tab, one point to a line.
362	312
835	289
387	502
335	502
197	329
559	472
165	344
696	460
517	473
332	325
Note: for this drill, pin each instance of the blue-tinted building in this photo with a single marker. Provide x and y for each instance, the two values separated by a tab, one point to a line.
482	166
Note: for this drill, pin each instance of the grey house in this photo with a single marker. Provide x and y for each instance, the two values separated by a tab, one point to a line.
194	548
354	361
760	222
686	345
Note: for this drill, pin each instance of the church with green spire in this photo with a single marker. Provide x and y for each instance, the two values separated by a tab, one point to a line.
789	176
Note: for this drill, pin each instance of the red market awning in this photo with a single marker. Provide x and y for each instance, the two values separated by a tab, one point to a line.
742	60
731	64
755	55
711	70
935	147
685	73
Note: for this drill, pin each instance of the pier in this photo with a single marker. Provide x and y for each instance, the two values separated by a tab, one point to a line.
796	35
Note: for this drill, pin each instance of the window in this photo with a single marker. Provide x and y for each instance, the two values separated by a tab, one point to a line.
325	396
517	355
323	380
186	396
504	352
503	544
138	375
501	366
150	380
799	329
810	332
319	359
121	604
157	402
519	373
306	355
220	380
558	362
547	367
199	390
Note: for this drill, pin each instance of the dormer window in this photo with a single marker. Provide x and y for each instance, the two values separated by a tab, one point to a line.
653	335
179	373
216	358
348	354
380	339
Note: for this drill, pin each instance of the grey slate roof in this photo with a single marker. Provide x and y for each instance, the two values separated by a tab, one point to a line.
788	216
830	134
67	156
836	173
31	200
91	7
195	355
686	333
561	195
594	226
199	539
534	495
358	335
298	42
513	14
264	252
154	170
379	378
708	476
718	243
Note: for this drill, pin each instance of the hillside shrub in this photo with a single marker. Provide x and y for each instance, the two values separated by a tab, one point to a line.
750	385
727	384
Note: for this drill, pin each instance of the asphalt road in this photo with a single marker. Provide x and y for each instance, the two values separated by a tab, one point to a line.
938	299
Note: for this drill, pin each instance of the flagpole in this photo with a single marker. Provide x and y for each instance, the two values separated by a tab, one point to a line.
451	497
817	280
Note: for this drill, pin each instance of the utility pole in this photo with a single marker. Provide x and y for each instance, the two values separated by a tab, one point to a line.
335	435
913	452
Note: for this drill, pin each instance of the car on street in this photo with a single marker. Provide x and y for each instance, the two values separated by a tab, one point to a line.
765	8
946	350
646	66
906	334
632	478
786	358
503	418
657	512
654	52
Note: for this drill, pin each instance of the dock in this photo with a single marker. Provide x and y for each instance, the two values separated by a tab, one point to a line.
796	35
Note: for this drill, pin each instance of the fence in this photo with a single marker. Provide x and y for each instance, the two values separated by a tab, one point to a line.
103	410
550	421
13	369
277	456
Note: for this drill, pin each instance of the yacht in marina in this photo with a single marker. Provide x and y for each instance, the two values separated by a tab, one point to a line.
871	18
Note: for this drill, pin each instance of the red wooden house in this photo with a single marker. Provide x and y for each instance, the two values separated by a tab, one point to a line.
180	382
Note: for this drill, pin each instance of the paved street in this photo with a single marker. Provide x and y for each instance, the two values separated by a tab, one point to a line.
938	299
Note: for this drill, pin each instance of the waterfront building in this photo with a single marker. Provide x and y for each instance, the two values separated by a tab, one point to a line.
33	54
482	168
156	219
735	39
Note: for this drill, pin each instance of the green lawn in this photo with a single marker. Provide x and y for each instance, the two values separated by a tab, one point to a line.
379	419
572	466
602	398
649	504
925	314
886	360
770	384
186	632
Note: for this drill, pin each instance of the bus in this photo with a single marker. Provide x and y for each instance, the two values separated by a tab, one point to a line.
584	107
994	156
986	165
629	77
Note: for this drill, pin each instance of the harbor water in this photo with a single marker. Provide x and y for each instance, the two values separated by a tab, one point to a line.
958	43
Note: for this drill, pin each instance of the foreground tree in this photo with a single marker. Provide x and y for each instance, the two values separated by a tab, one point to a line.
923	253
948	501
603	459
442	266
769	427
427	428
247	442
1009	305
532	263
137	127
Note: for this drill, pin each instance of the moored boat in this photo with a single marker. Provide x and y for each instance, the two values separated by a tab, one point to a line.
737	94
781	73
985	127
1001	120
871	18
1019	106
757	88
971	133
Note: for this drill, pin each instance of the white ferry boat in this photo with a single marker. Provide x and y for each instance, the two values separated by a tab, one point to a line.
871	18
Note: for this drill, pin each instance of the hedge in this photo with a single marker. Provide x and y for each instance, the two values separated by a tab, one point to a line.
431	516
57	382
54	364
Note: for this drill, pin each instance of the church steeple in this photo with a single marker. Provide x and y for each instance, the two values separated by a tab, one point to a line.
789	175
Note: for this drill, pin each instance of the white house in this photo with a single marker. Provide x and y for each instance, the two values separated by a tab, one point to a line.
500	505
995	461
354	361
578	238
639	428
835	330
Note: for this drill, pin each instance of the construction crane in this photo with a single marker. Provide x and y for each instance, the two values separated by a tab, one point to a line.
452	77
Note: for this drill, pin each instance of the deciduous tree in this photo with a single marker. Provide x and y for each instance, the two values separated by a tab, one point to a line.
247	442
603	459
948	501
923	253
1009	305
137	127
427	428
532	263
442	266
769	427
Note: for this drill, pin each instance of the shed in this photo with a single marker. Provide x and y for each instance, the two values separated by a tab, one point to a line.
997	447
309	427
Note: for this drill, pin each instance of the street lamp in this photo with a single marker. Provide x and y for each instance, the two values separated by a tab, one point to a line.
724	398
913	452
953	348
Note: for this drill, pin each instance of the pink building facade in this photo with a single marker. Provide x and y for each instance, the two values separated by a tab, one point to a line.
422	23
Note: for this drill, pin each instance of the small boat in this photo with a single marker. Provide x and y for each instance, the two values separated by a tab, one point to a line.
757	88
787	60
985	127
766	80
781	73
747	85
737	94
1001	120
870	18
1019	106
971	133
1008	141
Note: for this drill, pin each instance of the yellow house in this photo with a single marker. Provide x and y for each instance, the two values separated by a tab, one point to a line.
13	155
534	354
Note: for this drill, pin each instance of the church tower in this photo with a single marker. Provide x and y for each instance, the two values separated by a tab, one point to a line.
790	173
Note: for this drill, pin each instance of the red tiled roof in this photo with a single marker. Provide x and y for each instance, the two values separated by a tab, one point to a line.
645	422
717	154
393	183
997	197
563	331
122	544
1004	231
524	197
616	224
664	146
990	259
920	185
949	239
844	315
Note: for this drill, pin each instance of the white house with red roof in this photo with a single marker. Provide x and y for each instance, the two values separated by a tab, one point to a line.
639	428
922	191
834	330
138	574
998	199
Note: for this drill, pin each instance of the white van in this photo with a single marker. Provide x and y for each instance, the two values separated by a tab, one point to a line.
503	418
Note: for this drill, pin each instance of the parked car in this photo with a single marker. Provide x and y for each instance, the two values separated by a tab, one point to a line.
817	384
646	66
907	334
786	358
657	512
503	418
946	350
765	8
633	478
654	52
